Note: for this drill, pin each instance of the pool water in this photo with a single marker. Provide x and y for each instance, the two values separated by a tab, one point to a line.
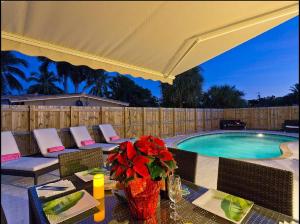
237	145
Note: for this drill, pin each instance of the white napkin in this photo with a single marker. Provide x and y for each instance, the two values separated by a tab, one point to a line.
61	183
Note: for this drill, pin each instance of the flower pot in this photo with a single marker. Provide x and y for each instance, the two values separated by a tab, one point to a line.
143	198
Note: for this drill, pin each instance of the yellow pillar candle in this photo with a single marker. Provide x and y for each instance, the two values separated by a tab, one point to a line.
100	216
98	186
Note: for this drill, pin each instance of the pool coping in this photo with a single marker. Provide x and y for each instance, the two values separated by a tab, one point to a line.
285	150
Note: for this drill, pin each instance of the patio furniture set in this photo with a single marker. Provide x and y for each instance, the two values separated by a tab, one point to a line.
262	186
51	147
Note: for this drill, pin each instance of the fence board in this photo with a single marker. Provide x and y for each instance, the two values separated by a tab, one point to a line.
151	121
133	122
116	117
190	121
199	119
180	120
167	122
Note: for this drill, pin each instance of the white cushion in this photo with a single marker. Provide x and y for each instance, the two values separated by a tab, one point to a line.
79	134
107	131
47	138
291	126
8	143
29	163
105	147
55	154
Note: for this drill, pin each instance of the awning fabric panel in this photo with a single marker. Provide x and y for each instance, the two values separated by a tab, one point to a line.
153	40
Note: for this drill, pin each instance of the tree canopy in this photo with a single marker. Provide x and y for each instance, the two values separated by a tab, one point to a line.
289	99
186	90
11	73
223	97
125	89
44	80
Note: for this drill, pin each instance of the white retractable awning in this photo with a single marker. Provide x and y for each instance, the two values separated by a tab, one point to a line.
153	40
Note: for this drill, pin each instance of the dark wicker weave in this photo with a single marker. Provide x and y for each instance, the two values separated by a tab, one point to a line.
266	186
70	163
187	164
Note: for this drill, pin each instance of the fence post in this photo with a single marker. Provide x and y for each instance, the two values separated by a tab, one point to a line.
61	118
143	120
31	117
100	115
174	121
124	121
160	121
71	116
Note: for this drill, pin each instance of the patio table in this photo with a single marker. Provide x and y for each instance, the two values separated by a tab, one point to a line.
118	212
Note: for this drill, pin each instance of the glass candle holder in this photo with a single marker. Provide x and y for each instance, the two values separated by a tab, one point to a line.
98	186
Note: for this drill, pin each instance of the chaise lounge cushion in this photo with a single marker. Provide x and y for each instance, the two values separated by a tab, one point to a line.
48	138
8	143
105	147
55	154
29	163
81	133
108	132
113	138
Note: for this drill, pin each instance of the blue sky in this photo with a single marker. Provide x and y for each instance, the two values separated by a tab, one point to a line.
267	64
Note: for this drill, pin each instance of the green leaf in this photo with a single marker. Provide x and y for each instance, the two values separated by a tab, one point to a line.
171	164
234	207
156	171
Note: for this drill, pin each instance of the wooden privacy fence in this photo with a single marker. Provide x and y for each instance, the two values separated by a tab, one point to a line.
132	121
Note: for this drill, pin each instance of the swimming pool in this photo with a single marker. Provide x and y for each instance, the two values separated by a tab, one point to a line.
238	145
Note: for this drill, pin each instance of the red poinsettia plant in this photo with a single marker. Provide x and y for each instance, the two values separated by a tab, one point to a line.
148	157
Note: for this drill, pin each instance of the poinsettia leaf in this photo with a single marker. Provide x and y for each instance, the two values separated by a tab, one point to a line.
156	171
171	164
128	179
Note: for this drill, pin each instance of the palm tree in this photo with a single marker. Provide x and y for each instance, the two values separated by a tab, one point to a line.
10	73
295	89
186	90
294	95
64	71
224	96
79	75
97	79
44	81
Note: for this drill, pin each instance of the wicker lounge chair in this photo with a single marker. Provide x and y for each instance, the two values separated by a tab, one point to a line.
111	136
70	163
291	126
81	135
25	165
266	186
47	139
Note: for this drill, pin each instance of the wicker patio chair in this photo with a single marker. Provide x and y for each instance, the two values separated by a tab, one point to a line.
266	186
186	162
70	163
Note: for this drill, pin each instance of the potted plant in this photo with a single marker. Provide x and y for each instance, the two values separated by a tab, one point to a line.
141	167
